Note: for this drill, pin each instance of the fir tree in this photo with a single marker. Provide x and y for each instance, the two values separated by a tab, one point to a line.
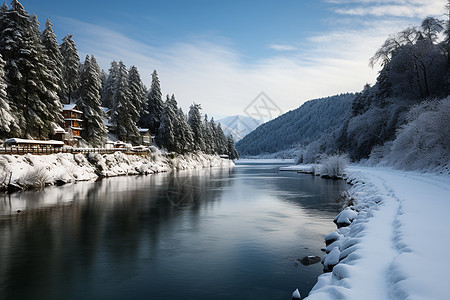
151	116
137	92
166	132
70	69
208	136
6	119
195	121
31	86
94	130
213	128
232	152
53	52
109	87
221	140
124	114
183	133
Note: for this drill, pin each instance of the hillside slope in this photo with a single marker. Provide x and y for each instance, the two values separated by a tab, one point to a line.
300	126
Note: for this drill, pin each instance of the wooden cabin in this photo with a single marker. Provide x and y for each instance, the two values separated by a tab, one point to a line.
145	137
72	123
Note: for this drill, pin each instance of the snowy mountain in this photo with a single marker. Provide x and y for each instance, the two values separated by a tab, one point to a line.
238	126
300	126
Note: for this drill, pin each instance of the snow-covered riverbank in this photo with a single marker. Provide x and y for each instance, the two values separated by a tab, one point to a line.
393	248
28	171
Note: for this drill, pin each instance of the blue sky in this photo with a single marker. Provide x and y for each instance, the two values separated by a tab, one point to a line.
222	54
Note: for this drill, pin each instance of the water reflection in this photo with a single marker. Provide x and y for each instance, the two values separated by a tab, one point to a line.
216	233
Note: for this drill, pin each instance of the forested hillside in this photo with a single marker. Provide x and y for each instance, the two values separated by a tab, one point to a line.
403	120
297	127
38	76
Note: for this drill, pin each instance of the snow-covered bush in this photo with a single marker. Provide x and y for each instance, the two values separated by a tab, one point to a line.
333	165
423	143
4	171
35	178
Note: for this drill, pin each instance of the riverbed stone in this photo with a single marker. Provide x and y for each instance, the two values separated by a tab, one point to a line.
310	260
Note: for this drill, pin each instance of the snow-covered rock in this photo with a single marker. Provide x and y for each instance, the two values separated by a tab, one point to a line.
389	249
296	295
345	217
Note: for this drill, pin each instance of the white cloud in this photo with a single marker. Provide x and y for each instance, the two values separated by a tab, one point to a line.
282	47
398	8
209	71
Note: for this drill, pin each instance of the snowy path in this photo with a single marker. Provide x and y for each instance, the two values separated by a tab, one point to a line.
395	247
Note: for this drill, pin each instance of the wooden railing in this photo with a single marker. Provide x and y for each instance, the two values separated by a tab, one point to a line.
50	150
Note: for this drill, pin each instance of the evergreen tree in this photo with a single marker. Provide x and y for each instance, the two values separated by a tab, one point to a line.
70	69
232	152
124	114
51	80
221	140
151	116
31	86
94	130
6	119
183	133
214	133
208	136
137	92
109	86
195	121
166	131
53	52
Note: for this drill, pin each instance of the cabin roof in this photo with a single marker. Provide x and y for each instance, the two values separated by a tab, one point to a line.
35	142
71	107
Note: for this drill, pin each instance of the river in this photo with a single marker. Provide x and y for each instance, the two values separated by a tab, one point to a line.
202	234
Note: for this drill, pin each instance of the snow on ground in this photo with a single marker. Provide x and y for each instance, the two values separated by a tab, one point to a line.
29	170
395	247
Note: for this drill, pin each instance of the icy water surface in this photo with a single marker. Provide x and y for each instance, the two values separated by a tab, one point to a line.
204	234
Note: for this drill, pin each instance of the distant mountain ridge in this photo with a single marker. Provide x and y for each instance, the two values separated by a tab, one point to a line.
238	126
302	125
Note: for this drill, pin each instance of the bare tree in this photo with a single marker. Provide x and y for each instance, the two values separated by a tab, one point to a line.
431	28
393	44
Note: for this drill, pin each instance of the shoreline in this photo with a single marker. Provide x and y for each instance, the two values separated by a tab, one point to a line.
386	237
30	172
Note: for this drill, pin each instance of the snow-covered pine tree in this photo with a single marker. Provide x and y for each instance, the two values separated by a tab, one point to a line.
195	121
221	140
53	52
208	136
94	130
137	92
103	78
151	116
51	80
31	86
213	128
232	152
109	86
183	133
6	119
166	133
124	114
70	69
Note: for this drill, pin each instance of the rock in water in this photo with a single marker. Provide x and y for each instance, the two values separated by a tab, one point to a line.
309	260
296	295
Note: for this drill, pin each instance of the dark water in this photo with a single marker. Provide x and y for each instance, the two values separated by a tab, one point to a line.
206	234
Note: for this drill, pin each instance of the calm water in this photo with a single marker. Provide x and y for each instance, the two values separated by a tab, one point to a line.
206	234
